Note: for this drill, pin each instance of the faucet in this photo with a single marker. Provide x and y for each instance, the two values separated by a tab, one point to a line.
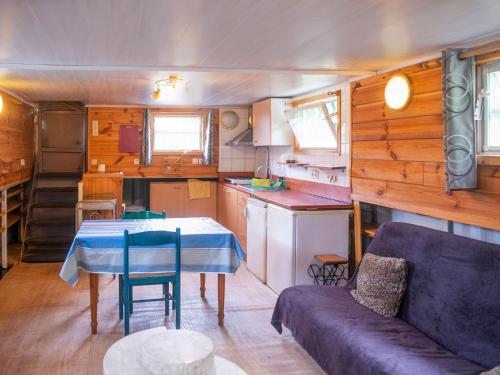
268	170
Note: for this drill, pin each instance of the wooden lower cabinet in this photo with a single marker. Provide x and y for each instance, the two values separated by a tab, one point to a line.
227	201
241	231
231	212
173	198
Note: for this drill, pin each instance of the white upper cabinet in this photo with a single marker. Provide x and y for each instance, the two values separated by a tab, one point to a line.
270	126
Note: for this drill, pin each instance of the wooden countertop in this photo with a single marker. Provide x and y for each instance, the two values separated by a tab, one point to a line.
293	200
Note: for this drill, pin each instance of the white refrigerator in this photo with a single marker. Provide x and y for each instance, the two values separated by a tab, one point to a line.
294	237
256	238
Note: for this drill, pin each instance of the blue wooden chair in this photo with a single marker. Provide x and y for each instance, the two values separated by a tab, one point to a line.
128	281
143	215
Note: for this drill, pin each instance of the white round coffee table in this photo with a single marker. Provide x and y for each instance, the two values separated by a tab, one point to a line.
161	351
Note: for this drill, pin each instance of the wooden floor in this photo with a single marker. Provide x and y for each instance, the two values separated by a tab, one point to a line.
45	324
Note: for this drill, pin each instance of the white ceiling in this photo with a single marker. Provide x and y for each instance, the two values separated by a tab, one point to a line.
230	51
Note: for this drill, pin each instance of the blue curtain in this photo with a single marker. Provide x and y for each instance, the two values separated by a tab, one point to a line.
146	146
208	142
458	114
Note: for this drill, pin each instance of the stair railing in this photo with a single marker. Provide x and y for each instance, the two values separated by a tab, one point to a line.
29	212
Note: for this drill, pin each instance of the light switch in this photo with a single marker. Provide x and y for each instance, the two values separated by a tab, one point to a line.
136	161
94	162
23	162
95	128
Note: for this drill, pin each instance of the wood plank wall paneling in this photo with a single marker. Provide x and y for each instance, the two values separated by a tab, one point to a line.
105	147
398	157
16	141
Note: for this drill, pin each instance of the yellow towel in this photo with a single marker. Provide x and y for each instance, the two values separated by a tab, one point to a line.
198	189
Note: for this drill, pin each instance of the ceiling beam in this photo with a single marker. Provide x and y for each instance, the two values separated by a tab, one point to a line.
182	68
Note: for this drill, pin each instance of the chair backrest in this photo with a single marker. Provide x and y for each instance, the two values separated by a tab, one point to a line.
143	215
151	239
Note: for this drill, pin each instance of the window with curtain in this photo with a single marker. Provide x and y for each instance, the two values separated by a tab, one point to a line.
315	125
177	132
490	123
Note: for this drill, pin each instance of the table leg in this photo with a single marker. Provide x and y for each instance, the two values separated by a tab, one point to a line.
94	293
203	277
221	281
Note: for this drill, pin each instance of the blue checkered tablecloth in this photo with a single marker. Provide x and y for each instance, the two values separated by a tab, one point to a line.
206	246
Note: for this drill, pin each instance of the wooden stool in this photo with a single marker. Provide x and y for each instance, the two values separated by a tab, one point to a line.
331	270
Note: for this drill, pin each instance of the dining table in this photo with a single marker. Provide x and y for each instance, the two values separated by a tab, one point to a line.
206	247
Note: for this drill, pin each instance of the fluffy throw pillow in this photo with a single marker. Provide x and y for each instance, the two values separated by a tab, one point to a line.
493	371
381	284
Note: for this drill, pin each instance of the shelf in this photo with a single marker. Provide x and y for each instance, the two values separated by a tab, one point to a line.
14	193
12	219
293	164
369	229
308	165
321	166
13	204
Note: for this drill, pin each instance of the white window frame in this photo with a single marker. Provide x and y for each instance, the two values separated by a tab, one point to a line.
178	114
483	72
335	128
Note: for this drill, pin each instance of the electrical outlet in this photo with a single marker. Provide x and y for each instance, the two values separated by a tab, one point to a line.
194	161
331	177
23	162
136	162
93	162
315	174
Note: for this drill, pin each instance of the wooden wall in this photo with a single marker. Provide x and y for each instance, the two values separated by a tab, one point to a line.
16	141
104	147
397	157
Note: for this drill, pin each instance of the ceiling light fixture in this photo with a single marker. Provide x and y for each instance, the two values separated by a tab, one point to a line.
172	81
397	92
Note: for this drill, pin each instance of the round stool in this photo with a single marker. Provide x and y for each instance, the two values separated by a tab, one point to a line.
160	351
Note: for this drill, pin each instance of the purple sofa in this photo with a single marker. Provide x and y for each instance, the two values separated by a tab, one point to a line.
449	321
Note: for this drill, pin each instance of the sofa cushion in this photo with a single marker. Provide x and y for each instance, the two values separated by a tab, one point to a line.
453	293
381	284
345	337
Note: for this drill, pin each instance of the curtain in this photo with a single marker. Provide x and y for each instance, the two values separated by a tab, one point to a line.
458	115
208	141
146	146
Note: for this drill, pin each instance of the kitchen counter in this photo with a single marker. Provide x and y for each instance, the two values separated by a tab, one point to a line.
293	200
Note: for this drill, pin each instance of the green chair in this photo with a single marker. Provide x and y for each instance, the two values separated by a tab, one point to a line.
128	281
143	215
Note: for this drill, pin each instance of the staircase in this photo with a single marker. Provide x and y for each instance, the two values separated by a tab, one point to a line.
50	223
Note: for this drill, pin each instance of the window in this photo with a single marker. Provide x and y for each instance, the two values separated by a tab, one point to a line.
316	125
490	129
177	132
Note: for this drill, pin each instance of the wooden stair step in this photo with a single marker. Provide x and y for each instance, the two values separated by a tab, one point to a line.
57	189
49	241
45	255
54	205
59	175
69	221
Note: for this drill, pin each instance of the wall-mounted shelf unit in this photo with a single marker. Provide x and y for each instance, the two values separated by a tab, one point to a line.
309	165
11	213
